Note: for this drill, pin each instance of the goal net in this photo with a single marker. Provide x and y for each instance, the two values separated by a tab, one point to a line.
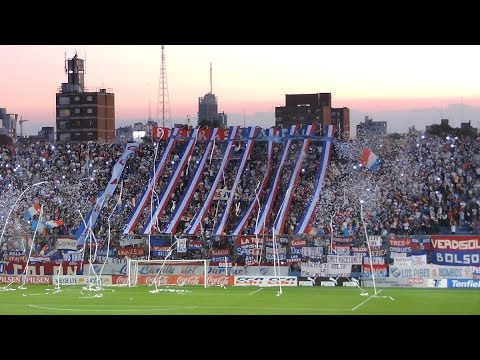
167	272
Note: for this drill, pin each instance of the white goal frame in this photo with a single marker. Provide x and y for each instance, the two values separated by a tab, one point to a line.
132	268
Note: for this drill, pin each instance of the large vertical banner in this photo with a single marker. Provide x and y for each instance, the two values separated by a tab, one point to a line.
456	250
94	213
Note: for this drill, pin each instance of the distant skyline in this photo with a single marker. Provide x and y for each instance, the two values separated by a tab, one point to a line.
403	85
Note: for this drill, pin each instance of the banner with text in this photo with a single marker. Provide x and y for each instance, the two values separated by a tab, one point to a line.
458	250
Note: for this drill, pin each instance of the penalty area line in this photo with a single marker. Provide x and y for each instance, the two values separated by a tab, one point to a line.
364	301
255	291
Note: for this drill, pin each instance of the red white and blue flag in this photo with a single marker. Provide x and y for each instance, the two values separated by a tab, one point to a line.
32	211
369	159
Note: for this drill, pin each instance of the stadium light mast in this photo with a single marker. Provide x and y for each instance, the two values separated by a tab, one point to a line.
163	91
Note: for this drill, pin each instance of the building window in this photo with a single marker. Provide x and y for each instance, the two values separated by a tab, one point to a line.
90	135
64	112
77	98
77	111
76	135
64	137
89	98
89	111
64	100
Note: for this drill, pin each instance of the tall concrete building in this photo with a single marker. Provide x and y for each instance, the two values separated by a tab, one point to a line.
370	128
208	109
8	123
313	109
83	115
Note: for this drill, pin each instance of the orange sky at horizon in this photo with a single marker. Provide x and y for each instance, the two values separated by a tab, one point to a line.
246	78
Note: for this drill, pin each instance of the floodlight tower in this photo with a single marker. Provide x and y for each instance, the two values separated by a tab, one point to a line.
163	91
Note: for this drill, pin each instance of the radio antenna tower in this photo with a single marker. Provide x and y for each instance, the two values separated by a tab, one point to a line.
163	91
210	78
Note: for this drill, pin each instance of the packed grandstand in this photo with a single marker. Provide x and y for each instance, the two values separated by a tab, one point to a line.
243	197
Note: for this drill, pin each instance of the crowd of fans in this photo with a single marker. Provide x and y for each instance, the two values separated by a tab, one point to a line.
423	185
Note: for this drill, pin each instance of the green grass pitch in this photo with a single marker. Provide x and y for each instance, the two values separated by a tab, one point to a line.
196	300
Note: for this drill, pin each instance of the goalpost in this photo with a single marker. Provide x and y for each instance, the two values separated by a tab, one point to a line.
158	277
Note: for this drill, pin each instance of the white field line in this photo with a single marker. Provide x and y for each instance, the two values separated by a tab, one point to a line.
135	308
256	291
103	310
364	301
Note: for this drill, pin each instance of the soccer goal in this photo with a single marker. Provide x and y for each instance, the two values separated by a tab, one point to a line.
180	272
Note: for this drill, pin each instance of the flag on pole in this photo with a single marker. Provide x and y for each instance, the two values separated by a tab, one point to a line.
369	159
50	224
31	211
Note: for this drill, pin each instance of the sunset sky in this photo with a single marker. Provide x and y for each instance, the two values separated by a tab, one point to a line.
370	80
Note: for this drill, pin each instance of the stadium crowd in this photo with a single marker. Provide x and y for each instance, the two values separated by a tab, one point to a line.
423	185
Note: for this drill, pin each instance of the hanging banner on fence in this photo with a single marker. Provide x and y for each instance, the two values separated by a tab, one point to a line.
104	252
375	260
38	258
16	255
158	241
73	257
66	244
378	270
339	250
458	250
43	269
336	259
431	271
161	251
400	247
182	245
404	271
251	260
451	272
246	250
248	240
296	251
294	258
298	243
311	268
312	252
220	252
419	259
129	240
402	261
216	259
359	251
343	240
131	251
395	255
194	244
378	251
375	240
280	253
